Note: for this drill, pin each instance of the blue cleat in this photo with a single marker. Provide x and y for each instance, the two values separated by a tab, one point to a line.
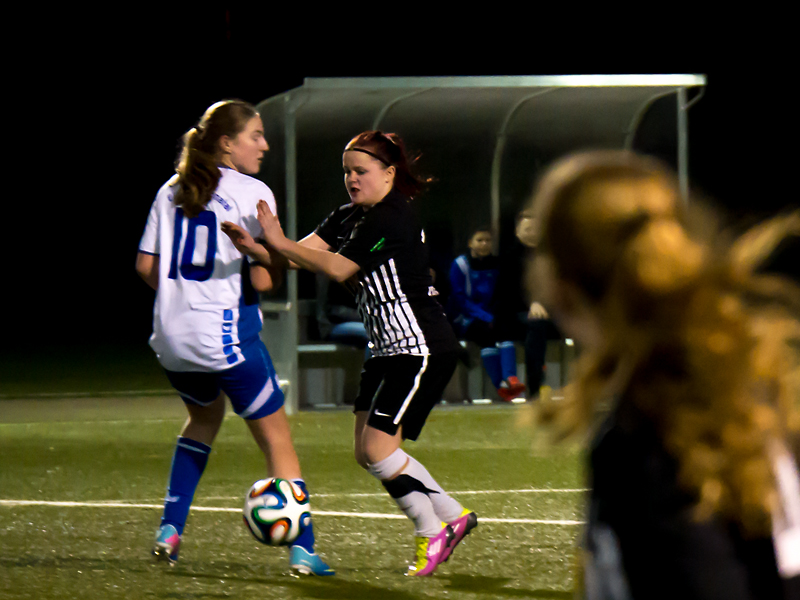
167	544
304	562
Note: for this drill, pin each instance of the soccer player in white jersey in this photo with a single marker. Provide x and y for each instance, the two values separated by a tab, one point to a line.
377	243
206	320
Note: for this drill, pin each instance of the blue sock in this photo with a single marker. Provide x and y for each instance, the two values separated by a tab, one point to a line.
508	359
306	539
491	362
188	464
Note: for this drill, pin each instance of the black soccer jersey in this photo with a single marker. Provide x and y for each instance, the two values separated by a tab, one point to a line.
394	290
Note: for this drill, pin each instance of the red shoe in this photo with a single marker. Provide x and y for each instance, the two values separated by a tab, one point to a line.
511	388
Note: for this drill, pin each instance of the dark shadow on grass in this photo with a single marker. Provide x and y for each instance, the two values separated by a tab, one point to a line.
320	588
480	584
191	595
76	562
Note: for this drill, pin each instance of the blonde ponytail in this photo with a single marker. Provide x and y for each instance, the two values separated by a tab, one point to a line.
198	175
197	170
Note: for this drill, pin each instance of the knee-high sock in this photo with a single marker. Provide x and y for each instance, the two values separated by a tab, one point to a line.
188	464
491	362
416	493
446	507
508	359
306	539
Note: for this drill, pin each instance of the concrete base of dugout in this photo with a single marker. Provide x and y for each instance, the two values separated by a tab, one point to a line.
471	383
329	374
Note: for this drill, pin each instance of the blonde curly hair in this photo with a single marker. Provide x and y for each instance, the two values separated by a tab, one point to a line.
699	342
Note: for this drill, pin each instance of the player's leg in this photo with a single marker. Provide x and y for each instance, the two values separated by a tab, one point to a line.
481	333
385	384
371	382
408	393
274	438
393	468
204	422
459	520
511	387
206	408
256	397
535	349
361	422
405	387
413	488
490	357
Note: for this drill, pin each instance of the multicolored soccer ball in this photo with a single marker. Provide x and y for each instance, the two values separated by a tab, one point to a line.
276	511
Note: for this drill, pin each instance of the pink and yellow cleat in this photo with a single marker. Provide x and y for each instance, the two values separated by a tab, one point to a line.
430	553
460	528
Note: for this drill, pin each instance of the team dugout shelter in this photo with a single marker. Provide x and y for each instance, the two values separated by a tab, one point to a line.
483	140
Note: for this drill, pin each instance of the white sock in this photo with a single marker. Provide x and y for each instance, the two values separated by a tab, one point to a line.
446	507
416	493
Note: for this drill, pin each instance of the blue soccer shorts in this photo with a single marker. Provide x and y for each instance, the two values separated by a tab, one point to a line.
252	385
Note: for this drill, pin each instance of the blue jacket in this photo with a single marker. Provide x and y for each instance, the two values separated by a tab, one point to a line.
473	282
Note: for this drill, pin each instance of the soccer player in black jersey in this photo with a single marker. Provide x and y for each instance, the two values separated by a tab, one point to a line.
687	384
376	245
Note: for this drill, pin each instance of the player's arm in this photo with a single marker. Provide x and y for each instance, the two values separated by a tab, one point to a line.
266	270
147	268
263	279
312	253
335	266
267	278
247	245
312	240
537	311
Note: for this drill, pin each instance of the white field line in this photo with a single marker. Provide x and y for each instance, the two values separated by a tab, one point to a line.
321	513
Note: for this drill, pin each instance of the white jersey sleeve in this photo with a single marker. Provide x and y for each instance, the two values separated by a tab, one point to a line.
205	307
149	242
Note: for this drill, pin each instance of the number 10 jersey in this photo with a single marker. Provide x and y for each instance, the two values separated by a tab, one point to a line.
205	306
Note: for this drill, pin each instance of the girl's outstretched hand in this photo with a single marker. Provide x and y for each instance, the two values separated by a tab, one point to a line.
273	233
537	311
243	241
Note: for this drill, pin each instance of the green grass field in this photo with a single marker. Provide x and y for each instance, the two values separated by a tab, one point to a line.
59	369
81	483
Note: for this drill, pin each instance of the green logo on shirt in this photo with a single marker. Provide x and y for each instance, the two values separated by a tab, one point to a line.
379	245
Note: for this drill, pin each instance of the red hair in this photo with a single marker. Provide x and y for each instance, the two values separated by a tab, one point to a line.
390	150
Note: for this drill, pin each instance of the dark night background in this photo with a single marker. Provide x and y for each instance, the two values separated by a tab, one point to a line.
113	92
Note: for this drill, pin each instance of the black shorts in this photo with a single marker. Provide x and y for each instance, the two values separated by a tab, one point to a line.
402	390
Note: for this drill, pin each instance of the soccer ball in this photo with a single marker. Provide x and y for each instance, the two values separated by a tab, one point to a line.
276	511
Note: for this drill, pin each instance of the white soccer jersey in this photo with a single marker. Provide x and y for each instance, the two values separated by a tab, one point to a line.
201	314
